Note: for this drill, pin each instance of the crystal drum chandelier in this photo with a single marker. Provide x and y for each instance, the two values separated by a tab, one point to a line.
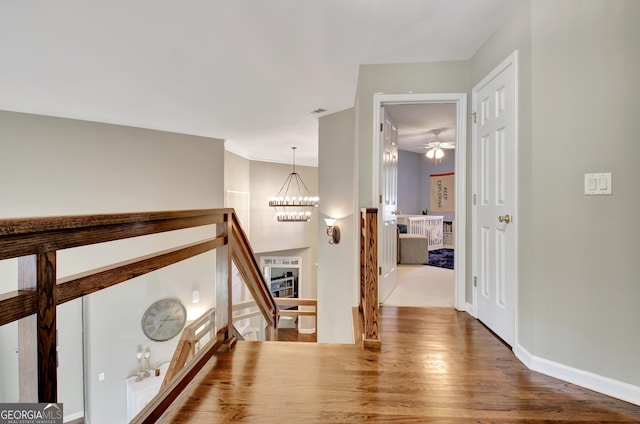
294	202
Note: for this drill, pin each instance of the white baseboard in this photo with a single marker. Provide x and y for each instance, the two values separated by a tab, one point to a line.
306	330
74	416
605	385
470	310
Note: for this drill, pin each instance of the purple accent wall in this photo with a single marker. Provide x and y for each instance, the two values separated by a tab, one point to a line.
413	180
410	185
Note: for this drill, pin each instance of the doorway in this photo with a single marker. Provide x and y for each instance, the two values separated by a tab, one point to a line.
283	275
459	101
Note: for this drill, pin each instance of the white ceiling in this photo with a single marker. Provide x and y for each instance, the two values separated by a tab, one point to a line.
418	123
248	71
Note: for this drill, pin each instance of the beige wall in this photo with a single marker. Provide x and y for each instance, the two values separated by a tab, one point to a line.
338	181
271	237
267	234
237	171
337	277
431	77
583	263
54	166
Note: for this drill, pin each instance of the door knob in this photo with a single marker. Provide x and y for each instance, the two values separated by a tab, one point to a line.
504	218
396	212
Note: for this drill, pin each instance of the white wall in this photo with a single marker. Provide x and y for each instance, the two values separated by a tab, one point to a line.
56	166
336	274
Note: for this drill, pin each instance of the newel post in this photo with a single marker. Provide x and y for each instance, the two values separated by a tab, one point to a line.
223	278
369	278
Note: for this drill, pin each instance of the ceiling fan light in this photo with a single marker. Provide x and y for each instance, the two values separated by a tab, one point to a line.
439	154
431	153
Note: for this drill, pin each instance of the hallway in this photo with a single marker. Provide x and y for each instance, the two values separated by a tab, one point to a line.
436	365
420	285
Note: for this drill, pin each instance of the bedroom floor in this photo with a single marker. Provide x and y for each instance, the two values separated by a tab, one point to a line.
422	285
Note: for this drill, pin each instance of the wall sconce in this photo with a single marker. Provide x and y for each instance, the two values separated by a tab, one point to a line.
333	231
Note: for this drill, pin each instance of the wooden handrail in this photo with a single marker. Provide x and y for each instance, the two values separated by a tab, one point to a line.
190	342
35	242
248	268
293	301
27	236
151	413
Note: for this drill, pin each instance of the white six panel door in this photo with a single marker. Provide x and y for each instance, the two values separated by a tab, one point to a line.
388	242
495	244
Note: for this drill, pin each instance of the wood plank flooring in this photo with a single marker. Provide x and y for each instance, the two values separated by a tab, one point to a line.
436	365
292	335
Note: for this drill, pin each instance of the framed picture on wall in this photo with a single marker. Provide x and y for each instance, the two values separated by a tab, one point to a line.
442	193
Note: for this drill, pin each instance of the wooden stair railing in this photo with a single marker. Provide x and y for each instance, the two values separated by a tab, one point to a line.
292	301
194	335
249	270
368	306
35	242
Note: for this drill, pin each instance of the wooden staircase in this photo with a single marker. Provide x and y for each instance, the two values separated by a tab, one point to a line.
36	242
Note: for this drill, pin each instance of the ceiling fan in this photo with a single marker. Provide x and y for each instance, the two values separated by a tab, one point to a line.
436	147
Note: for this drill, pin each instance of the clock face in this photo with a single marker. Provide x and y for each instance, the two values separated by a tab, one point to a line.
164	319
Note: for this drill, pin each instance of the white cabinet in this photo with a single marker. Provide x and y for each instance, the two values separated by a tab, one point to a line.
139	393
447	233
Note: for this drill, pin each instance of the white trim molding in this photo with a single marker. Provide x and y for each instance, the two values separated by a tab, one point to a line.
598	383
73	417
460	100
471	310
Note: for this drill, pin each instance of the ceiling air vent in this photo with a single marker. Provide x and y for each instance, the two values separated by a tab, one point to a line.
318	110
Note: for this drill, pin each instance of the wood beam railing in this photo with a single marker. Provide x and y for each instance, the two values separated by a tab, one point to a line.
35	241
248	268
311	308
368	306
194	335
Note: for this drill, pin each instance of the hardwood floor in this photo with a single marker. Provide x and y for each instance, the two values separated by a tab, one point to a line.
436	365
292	335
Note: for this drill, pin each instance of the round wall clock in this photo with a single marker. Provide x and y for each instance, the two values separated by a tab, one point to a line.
164	319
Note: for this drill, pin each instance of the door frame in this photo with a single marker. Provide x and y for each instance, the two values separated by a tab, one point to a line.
460	169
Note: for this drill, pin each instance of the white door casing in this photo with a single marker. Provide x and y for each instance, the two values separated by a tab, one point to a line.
494	228
460	100
387	232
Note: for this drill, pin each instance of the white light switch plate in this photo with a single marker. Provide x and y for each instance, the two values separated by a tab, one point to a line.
596	184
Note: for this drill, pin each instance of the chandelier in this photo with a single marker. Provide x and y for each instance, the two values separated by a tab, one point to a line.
294	202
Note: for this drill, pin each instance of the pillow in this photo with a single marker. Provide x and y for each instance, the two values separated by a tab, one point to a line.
402	228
